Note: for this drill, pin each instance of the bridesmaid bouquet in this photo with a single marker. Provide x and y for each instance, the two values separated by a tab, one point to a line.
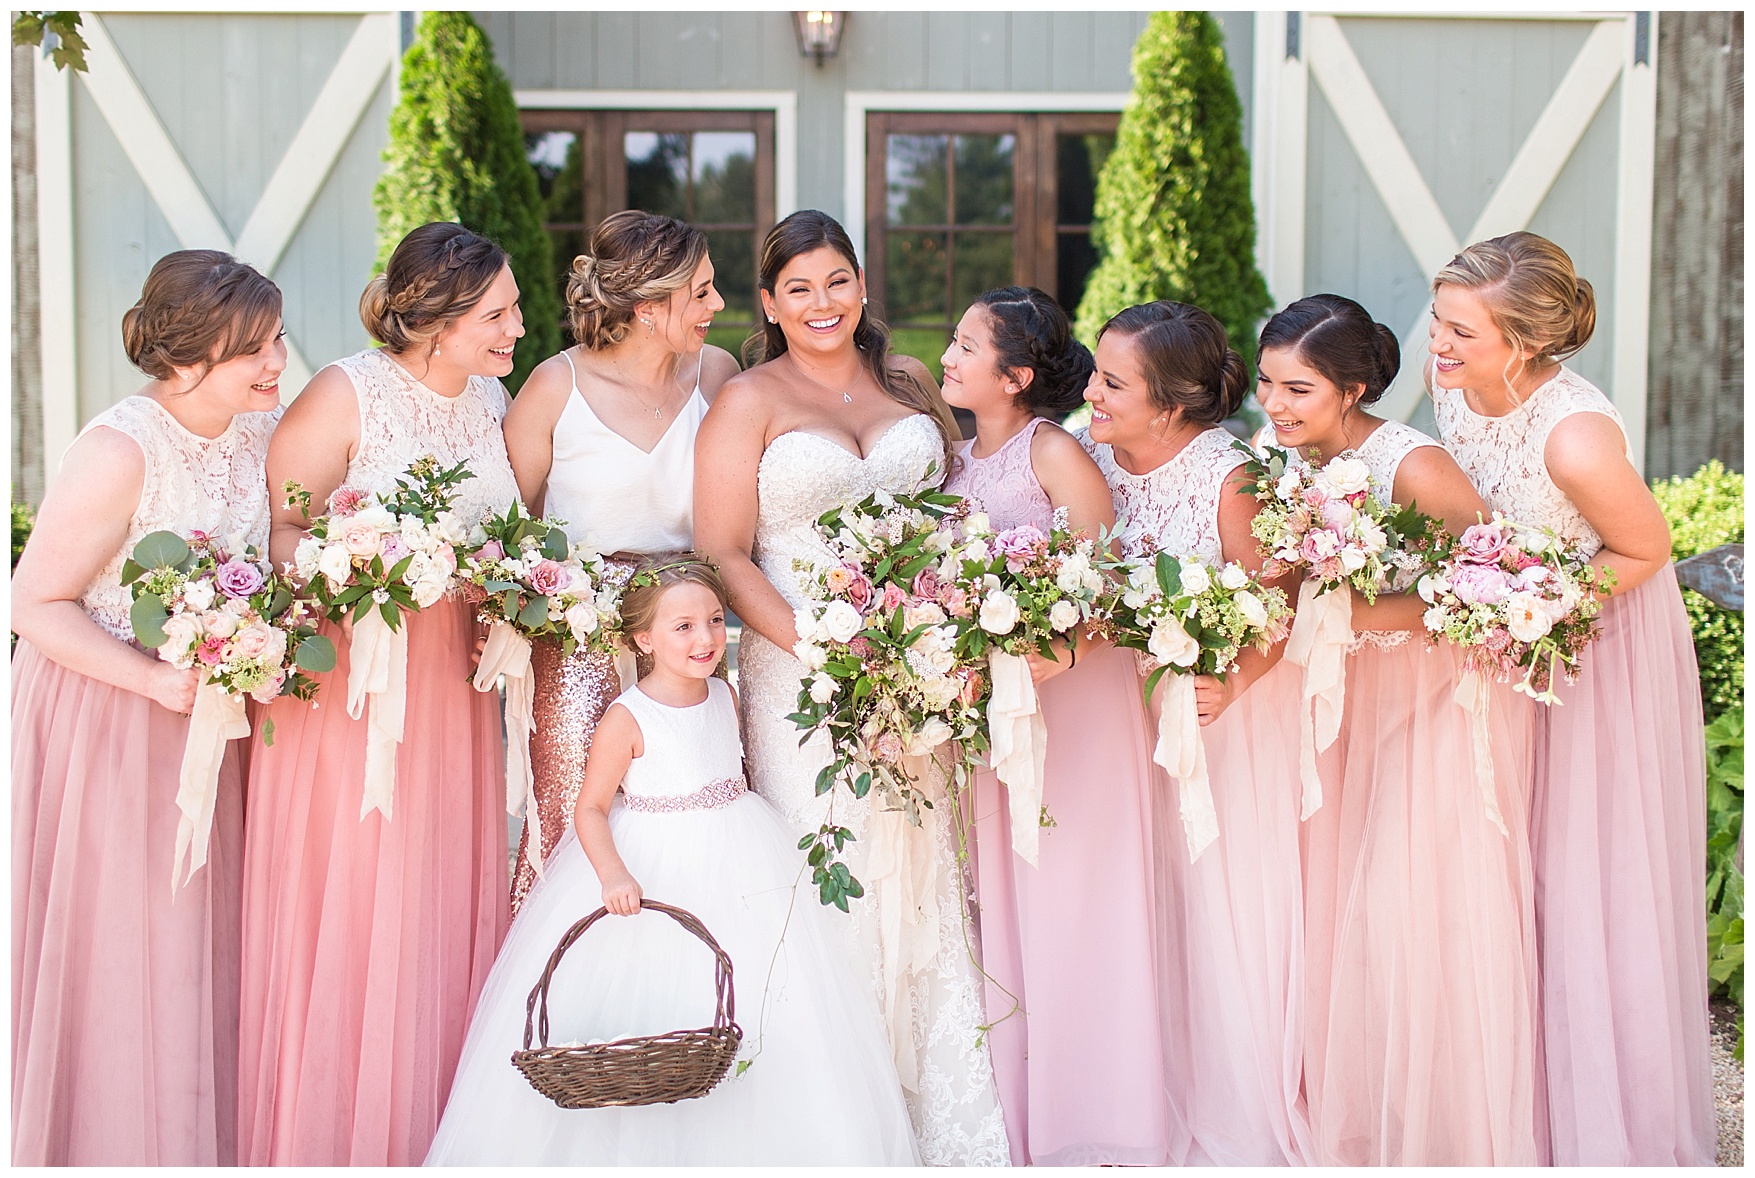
1029	589
1334	524
371	559
1189	620
891	679
239	623
528	582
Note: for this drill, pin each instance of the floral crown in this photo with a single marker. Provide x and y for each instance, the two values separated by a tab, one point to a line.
650	576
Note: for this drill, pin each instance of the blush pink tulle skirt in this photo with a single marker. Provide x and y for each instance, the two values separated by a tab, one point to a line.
124	998
1619	837
1419	926
1231	942
1072	994
367	940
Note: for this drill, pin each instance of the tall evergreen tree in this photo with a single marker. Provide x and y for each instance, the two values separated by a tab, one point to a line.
1174	219
456	153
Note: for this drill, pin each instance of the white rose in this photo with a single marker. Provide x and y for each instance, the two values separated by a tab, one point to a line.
806	625
999	612
451	527
822	688
1196	579
1171	645
1287	487
841	621
811	655
219	624
1143	578
1250	606
582	619
336	564
932	734
378	516
1433	619
1063	616
305	557
181	630
1534	542
198	595
927	614
1431	587
428	590
939	691
1526	617
1070	577
1093	581
1346	475
1534	575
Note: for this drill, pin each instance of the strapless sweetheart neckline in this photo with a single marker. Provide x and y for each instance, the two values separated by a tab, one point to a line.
867	456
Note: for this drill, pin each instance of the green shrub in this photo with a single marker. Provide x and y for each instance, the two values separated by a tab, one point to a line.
1704	511
23	519
1724	883
1174	219
456	153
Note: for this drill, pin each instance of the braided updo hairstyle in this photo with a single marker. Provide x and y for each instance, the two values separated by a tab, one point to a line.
434	276
633	258
198	308
1031	331
1338	338
1187	361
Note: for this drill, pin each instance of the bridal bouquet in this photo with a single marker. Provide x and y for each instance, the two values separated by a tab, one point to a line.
1511	596
527	581
371	559
1338	527
883	641
1029	589
242	626
1189	620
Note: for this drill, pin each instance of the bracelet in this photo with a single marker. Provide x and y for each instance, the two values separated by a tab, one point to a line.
1075	655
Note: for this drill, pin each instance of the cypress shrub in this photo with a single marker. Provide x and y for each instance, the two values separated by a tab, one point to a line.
456	153
1174	219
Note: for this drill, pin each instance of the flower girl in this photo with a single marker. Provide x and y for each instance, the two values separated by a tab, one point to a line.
819	1086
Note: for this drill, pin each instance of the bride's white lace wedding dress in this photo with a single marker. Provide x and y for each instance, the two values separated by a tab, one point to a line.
908	930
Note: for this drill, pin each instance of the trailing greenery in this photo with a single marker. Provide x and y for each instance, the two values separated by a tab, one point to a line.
1705	511
1174	219
456	153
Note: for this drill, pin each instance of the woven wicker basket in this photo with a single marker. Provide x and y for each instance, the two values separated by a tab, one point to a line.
651	1069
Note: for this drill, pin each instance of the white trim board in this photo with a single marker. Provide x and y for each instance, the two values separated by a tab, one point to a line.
858	103
784	104
59	326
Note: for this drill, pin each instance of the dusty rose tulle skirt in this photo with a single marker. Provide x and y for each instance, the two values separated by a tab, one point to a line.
1420	926
1619	837
1231	942
1080	1067
366	941
124	1000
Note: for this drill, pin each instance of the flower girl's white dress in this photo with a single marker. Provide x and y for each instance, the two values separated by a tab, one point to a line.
821	1088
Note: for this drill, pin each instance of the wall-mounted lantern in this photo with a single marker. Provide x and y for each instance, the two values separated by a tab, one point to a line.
819	33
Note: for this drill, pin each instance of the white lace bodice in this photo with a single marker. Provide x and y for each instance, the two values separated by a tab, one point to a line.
802	475
686	750
193	484
401	420
1505	457
1174	508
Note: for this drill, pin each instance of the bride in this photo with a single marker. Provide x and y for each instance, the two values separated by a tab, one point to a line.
827	419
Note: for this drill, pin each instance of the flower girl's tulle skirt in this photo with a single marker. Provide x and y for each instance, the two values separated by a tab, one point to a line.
821	1089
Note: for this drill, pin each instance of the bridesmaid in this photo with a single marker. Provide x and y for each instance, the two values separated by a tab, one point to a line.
366	940
1230	923
1080	1081
603	436
1419	925
125	995
1619	827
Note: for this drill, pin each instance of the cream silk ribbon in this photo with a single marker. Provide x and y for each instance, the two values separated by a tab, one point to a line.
508	653
901	876
1321	633
378	673
1474	696
217	718
1183	755
627	667
1018	747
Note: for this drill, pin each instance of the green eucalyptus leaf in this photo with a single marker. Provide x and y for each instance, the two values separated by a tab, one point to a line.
148	617
162	550
315	654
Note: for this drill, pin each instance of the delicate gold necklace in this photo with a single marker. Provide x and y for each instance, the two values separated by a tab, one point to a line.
658	409
846	394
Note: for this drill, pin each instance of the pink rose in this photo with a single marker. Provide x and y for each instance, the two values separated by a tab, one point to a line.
212	652
888	747
1479	584
859	589
1313	497
1019	545
971	688
1481	544
893	597
360	538
238	578
346	500
270	688
251	642
548	578
926	584
1318	546
394	549
955	600
1337	514
490	551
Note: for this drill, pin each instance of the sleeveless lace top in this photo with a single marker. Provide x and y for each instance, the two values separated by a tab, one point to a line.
193	484
401	420
615	496
693	758
1004	483
1174	508
1504	456
802	475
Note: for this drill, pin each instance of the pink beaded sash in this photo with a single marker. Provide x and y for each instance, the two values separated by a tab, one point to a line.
709	797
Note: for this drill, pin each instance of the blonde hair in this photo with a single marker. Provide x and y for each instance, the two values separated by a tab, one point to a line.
633	258
199	308
1530	289
651	577
434	276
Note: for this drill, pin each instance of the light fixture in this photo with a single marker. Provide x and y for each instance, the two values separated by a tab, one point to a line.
819	33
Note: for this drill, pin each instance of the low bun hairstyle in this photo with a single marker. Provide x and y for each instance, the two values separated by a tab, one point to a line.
1186	358
1531	290
434	276
632	258
1031	331
198	308
1338	338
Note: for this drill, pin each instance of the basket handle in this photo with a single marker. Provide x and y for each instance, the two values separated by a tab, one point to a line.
725	997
